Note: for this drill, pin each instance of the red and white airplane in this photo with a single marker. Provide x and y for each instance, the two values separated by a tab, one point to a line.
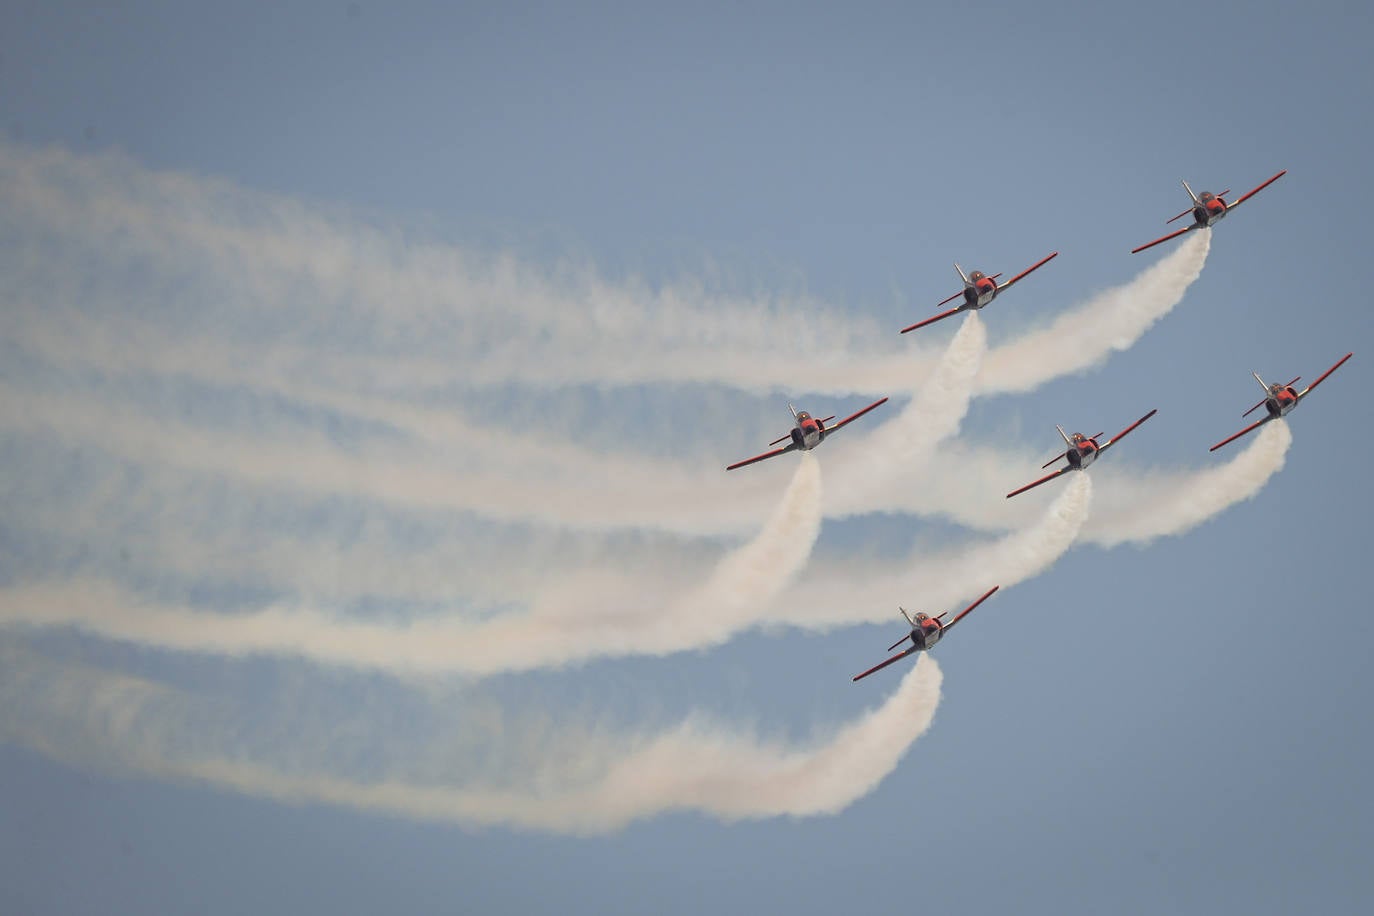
979	289
926	631
807	434
1207	209
1082	451
1279	401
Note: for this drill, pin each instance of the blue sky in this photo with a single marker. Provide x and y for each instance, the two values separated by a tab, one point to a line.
330	321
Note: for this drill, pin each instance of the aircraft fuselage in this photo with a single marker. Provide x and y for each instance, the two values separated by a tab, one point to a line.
1280	403
1209	209
1082	453
808	433
980	290
927	633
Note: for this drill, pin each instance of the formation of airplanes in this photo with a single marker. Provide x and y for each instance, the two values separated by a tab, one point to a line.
1080	450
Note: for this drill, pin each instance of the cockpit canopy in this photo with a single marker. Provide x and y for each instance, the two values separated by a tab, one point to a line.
803	416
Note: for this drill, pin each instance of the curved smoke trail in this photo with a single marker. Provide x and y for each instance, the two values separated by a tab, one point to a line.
580	618
1134	505
1111	321
1155	507
863	473
604	616
850	594
695	766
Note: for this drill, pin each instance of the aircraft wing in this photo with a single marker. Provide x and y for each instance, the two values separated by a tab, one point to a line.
950	299
921	324
965	612
881	665
1323	376
1037	265
1244	197
1165	238
789	447
1249	429
1046	479
1112	441
854	416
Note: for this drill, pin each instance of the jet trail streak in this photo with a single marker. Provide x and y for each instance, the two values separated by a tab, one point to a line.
580	618
96	718
847	595
1148	507
1111	321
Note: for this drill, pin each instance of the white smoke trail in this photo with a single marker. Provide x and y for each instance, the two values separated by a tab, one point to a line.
596	614
1133	505
1110	321
582	616
1172	504
593	615
458	320
691	768
695	766
506	476
869	594
863	475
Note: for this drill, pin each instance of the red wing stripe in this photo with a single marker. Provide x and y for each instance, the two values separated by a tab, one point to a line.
1253	409
852	417
791	446
921	324
1046	478
1120	435
1252	427
950	299
1244	198
966	611
1323	376
881	665
1172	218
1171	235
1038	264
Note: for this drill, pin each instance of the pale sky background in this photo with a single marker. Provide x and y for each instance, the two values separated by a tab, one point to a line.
338	337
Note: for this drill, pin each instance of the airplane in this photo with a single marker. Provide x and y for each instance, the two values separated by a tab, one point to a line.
1082	451
807	434
1207	209
926	631
979	289
1279	401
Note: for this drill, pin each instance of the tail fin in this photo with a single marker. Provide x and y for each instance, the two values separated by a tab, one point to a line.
1063	435
906	615
963	276
1261	382
793	409
1196	202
